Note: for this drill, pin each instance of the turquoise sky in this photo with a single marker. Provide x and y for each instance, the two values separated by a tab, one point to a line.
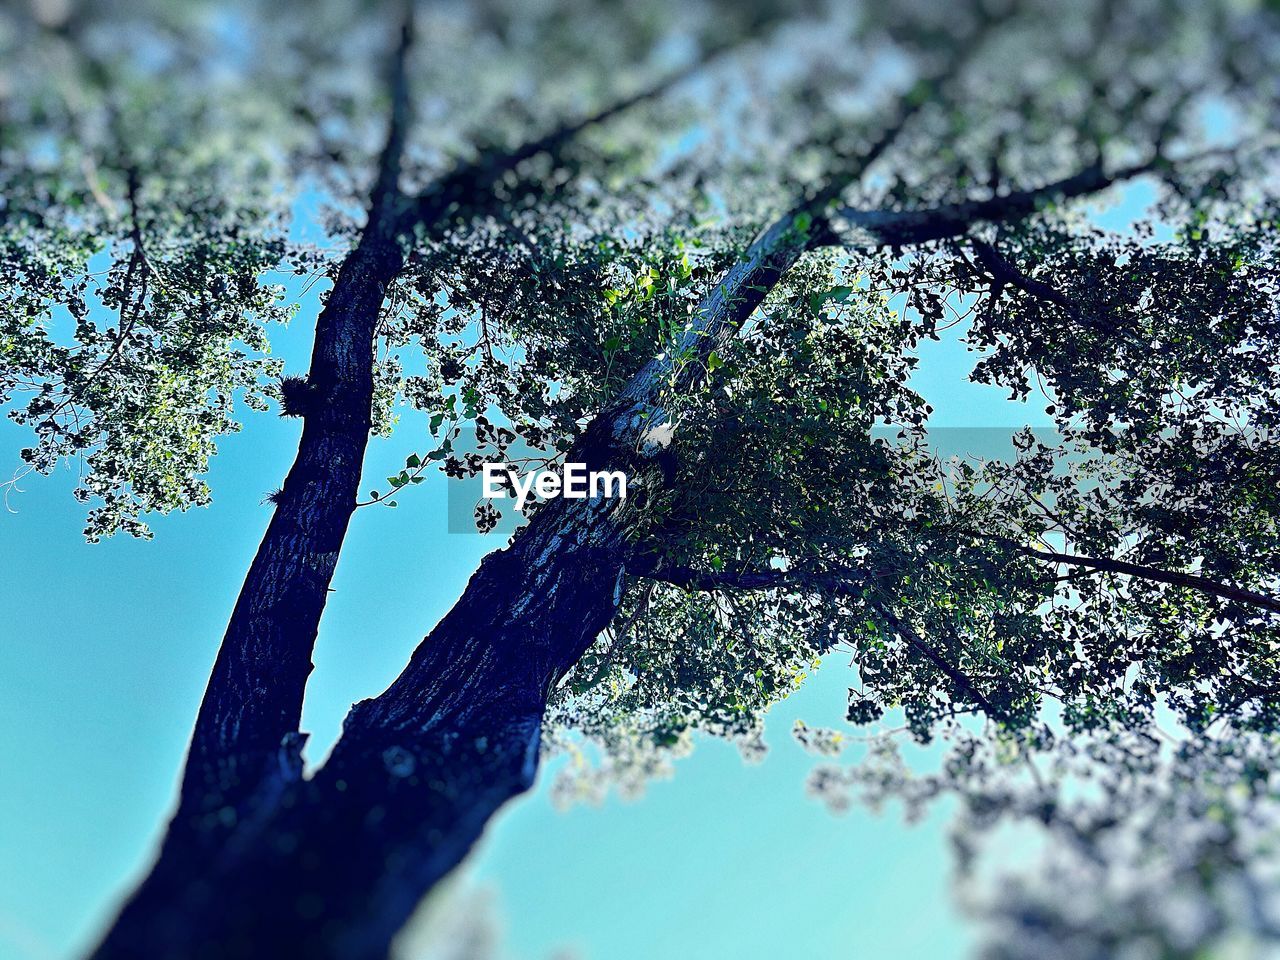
105	650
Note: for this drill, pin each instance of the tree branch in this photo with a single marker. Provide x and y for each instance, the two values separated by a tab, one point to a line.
386	190
246	744
869	229
850	580
856	583
848	583
1006	274
691	578
766	261
1174	578
478	176
952	673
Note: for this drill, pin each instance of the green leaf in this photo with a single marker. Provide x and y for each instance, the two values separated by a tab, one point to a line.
836	294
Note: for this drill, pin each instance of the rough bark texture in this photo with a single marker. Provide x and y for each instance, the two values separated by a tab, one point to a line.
246	746
243	723
420	770
344	858
245	750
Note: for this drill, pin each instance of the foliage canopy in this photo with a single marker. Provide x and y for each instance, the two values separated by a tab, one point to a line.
1099	604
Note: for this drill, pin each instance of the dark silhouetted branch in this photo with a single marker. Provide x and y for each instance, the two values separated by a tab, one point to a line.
476	179
856	228
1172	577
856	581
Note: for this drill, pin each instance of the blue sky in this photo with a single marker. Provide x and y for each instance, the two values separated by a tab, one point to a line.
105	650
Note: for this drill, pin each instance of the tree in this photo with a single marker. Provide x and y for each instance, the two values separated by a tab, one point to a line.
586	251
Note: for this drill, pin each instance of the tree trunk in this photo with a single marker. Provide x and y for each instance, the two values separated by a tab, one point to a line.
259	863
245	737
245	751
343	859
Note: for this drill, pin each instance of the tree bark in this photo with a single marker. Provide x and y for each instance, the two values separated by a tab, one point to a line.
246	746
344	858
249	717
246	751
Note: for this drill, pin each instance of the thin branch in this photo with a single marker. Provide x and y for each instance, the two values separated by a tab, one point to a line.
478	176
133	297
694	579
852	581
957	676
871	229
386	191
901	228
848	582
1006	274
1174	578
